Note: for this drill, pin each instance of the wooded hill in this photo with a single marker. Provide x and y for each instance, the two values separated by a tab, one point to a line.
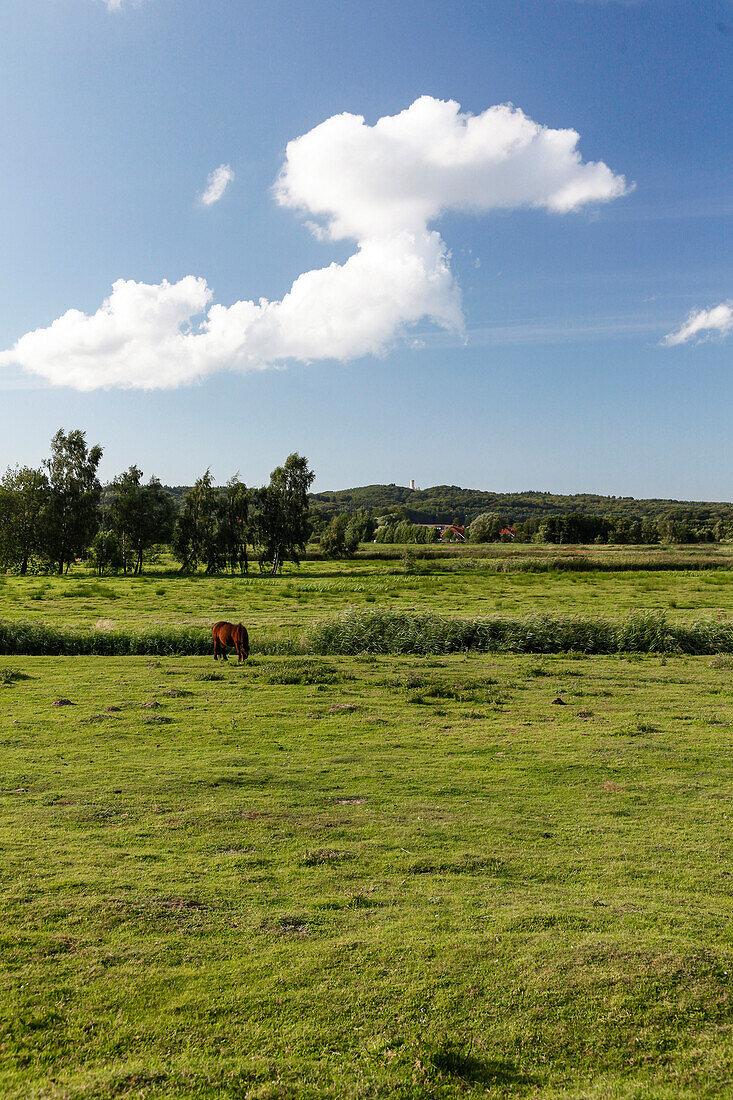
450	503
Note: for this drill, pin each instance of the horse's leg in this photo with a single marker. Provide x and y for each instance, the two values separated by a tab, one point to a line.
216	647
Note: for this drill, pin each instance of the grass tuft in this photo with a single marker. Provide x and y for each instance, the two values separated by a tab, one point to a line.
10	675
304	672
324	856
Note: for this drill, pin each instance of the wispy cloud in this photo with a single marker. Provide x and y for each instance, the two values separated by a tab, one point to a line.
217	183
622	3
117	5
703	324
380	186
545	333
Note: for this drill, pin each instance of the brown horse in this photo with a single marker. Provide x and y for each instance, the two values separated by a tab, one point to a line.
233	635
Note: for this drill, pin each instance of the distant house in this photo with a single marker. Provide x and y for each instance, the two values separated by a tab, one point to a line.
446	528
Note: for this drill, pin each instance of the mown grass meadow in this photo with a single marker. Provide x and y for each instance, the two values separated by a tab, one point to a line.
470	583
315	875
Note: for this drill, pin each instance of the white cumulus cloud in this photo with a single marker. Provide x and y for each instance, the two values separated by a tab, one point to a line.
410	168
380	186
703	324
217	183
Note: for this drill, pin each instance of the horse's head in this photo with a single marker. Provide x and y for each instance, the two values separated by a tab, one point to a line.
243	640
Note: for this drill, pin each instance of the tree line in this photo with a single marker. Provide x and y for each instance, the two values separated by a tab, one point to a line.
452	504
60	513
676	526
679	525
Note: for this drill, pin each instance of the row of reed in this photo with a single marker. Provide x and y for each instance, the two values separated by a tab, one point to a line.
377	631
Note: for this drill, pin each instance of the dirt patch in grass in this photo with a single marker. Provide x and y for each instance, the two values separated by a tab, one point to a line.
295	926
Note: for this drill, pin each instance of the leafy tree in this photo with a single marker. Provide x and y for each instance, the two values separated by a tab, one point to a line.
341	537
72	502
361	527
7	527
718	531
141	515
404	532
105	552
486	528
234	525
196	537
649	531
23	497
676	527
281	523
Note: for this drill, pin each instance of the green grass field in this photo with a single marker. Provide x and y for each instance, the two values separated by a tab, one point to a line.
462	585
502	876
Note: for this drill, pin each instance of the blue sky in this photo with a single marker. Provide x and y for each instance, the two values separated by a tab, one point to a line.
556	378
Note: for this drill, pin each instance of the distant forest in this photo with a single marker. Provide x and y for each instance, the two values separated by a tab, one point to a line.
394	513
451	504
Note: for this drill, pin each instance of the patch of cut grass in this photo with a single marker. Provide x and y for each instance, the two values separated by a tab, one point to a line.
248	901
